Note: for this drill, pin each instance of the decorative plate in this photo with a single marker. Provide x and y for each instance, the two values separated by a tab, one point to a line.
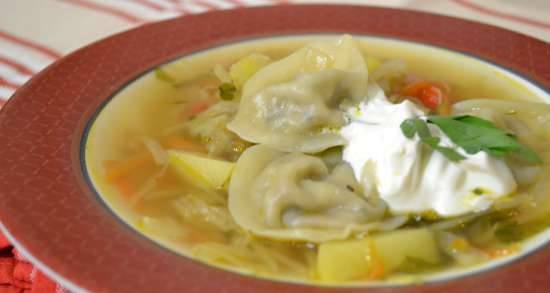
52	214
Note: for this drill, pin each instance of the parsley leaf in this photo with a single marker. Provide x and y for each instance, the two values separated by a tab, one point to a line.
227	91
413	126
410	127
474	134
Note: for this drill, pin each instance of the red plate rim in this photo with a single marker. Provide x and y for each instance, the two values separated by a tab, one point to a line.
55	218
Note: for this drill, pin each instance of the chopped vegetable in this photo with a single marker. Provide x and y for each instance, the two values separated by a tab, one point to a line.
411	127
372	63
340	261
375	256
221	73
146	187
508	231
472	134
395	248
243	69
432	95
502	251
195	108
165	227
124	188
227	91
193	209
206	172
157	151
459	249
164	76
378	270
118	169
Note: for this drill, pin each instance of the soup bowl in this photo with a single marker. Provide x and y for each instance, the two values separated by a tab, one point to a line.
51	210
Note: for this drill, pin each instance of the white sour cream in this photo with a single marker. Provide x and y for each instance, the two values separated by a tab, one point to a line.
409	176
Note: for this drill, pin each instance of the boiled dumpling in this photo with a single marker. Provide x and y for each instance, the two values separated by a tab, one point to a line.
529	121
294	104
301	115
341	54
295	197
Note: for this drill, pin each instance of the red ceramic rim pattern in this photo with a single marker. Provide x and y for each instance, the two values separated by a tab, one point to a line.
55	217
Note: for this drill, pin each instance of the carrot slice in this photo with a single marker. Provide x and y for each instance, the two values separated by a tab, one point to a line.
125	188
119	169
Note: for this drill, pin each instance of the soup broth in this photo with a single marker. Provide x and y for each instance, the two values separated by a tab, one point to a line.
162	156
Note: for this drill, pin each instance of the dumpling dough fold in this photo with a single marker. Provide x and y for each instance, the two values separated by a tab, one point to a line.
294	196
294	104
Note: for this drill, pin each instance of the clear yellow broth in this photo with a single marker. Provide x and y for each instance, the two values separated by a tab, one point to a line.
149	106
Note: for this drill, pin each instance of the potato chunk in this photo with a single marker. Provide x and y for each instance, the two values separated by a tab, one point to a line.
375	256
395	247
340	261
205	172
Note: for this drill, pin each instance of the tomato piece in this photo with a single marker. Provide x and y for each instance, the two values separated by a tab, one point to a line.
432	95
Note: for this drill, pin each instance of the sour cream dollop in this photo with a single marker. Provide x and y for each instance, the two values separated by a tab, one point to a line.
409	176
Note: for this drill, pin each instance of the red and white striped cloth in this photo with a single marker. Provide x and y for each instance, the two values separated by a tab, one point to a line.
34	33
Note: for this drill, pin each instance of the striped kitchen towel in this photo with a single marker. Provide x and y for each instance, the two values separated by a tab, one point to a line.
35	33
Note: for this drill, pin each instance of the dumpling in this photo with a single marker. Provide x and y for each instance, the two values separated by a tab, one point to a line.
341	54
301	115
529	121
294	104
294	196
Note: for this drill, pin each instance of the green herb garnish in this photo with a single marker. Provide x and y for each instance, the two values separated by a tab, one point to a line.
413	126
473	134
227	91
